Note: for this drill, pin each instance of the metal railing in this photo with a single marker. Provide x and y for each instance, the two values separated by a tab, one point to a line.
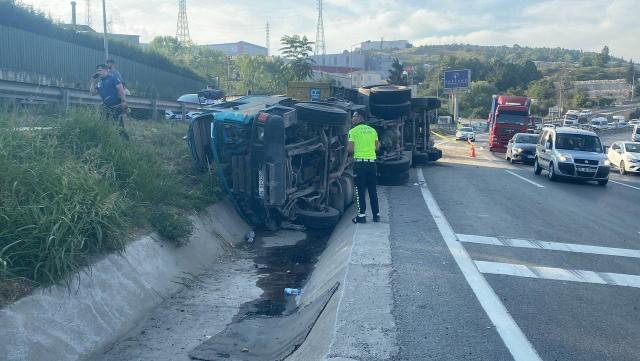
26	93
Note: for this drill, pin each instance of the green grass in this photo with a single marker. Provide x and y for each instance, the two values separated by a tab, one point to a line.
80	189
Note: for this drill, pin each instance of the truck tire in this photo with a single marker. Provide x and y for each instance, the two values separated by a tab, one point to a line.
434	154
390	94
420	158
391	111
390	167
336	200
322	114
318	219
348	189
428	103
397	179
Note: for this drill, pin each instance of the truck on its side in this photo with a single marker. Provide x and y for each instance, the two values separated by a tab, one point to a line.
509	115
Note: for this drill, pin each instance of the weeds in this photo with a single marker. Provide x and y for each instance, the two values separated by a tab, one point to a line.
78	188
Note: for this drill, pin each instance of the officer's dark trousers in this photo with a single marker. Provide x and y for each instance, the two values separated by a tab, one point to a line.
115	114
365	179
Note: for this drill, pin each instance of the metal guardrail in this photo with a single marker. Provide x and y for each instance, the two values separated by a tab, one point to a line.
36	93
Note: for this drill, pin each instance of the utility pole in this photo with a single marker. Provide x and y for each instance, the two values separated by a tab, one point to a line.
228	76
104	23
88	15
321	47
182	32
268	43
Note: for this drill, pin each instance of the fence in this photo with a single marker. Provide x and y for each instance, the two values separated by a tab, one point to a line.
39	94
34	58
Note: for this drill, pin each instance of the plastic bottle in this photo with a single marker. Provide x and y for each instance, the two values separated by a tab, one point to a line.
292	291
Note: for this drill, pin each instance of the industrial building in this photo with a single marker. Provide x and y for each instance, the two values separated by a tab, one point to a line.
237	49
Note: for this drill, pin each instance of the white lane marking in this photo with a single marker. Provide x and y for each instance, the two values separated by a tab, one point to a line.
626	185
437	144
550	246
525	179
512	336
559	274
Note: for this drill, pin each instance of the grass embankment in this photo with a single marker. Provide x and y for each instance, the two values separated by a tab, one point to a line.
79	189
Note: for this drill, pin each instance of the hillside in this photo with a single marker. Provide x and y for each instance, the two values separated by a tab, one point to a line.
427	54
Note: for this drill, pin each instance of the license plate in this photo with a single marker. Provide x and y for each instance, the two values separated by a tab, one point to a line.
588	170
529	156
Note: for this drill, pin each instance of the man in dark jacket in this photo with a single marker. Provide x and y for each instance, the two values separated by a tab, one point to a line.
113	96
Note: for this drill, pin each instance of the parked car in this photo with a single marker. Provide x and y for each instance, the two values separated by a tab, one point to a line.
466	133
571	153
625	156
623	125
635	133
522	148
586	113
176	114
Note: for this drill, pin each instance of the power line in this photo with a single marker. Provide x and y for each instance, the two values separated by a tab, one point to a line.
182	33
320	43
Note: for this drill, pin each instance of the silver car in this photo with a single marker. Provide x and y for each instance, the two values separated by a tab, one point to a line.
571	153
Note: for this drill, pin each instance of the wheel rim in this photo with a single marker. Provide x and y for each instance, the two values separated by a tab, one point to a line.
622	167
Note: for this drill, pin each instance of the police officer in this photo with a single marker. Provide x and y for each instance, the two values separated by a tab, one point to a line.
363	144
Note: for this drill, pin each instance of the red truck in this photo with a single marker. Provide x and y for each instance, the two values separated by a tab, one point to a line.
509	115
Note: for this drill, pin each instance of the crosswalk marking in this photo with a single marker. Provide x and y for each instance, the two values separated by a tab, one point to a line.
552	246
558	274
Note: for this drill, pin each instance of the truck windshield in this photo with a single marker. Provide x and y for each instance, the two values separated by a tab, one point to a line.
513	119
596	122
578	142
571	117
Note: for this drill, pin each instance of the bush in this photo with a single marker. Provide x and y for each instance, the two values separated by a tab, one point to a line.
78	188
174	227
635	114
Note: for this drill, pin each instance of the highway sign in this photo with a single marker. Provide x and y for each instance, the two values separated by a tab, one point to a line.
457	79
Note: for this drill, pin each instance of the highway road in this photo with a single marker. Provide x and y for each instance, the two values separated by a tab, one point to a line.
495	263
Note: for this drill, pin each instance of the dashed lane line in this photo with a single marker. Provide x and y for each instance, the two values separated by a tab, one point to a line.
623	184
525	179
512	336
558	274
550	246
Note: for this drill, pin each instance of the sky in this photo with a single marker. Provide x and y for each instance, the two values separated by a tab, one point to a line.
572	24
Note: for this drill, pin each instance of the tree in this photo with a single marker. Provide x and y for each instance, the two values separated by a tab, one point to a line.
395	74
298	49
260	75
630	73
580	97
479	96
544	92
604	54
172	48
209	63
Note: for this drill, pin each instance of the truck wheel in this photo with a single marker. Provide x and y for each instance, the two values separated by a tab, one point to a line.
420	158
428	103
348	190
336	200
391	111
434	154
394	166
390	94
322	114
397	179
318	219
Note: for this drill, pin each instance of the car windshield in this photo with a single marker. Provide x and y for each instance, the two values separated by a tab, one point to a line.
466	129
527	138
189	98
578	142
514	119
632	147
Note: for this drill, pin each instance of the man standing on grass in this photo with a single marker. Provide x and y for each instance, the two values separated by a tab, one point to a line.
363	144
113	96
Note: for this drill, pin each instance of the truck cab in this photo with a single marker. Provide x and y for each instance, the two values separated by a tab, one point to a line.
509	115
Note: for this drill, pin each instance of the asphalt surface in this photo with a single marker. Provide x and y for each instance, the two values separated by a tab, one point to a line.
564	311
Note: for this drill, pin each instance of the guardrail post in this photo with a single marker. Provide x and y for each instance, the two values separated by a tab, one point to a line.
154	109
183	108
65	97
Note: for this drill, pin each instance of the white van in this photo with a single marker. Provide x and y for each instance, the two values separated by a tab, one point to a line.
618	118
598	124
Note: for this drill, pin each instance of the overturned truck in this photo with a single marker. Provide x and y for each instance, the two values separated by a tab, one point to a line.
279	159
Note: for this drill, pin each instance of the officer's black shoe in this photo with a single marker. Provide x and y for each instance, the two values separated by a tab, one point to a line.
376	218
359	220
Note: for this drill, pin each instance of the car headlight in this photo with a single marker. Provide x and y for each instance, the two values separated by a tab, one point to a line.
519	150
564	157
605	162
631	159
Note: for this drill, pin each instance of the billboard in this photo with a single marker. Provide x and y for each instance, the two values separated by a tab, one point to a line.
457	79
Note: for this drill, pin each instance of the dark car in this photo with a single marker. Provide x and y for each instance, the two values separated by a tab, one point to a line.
522	148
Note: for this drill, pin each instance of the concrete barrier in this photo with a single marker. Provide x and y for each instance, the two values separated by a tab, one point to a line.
109	298
357	324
